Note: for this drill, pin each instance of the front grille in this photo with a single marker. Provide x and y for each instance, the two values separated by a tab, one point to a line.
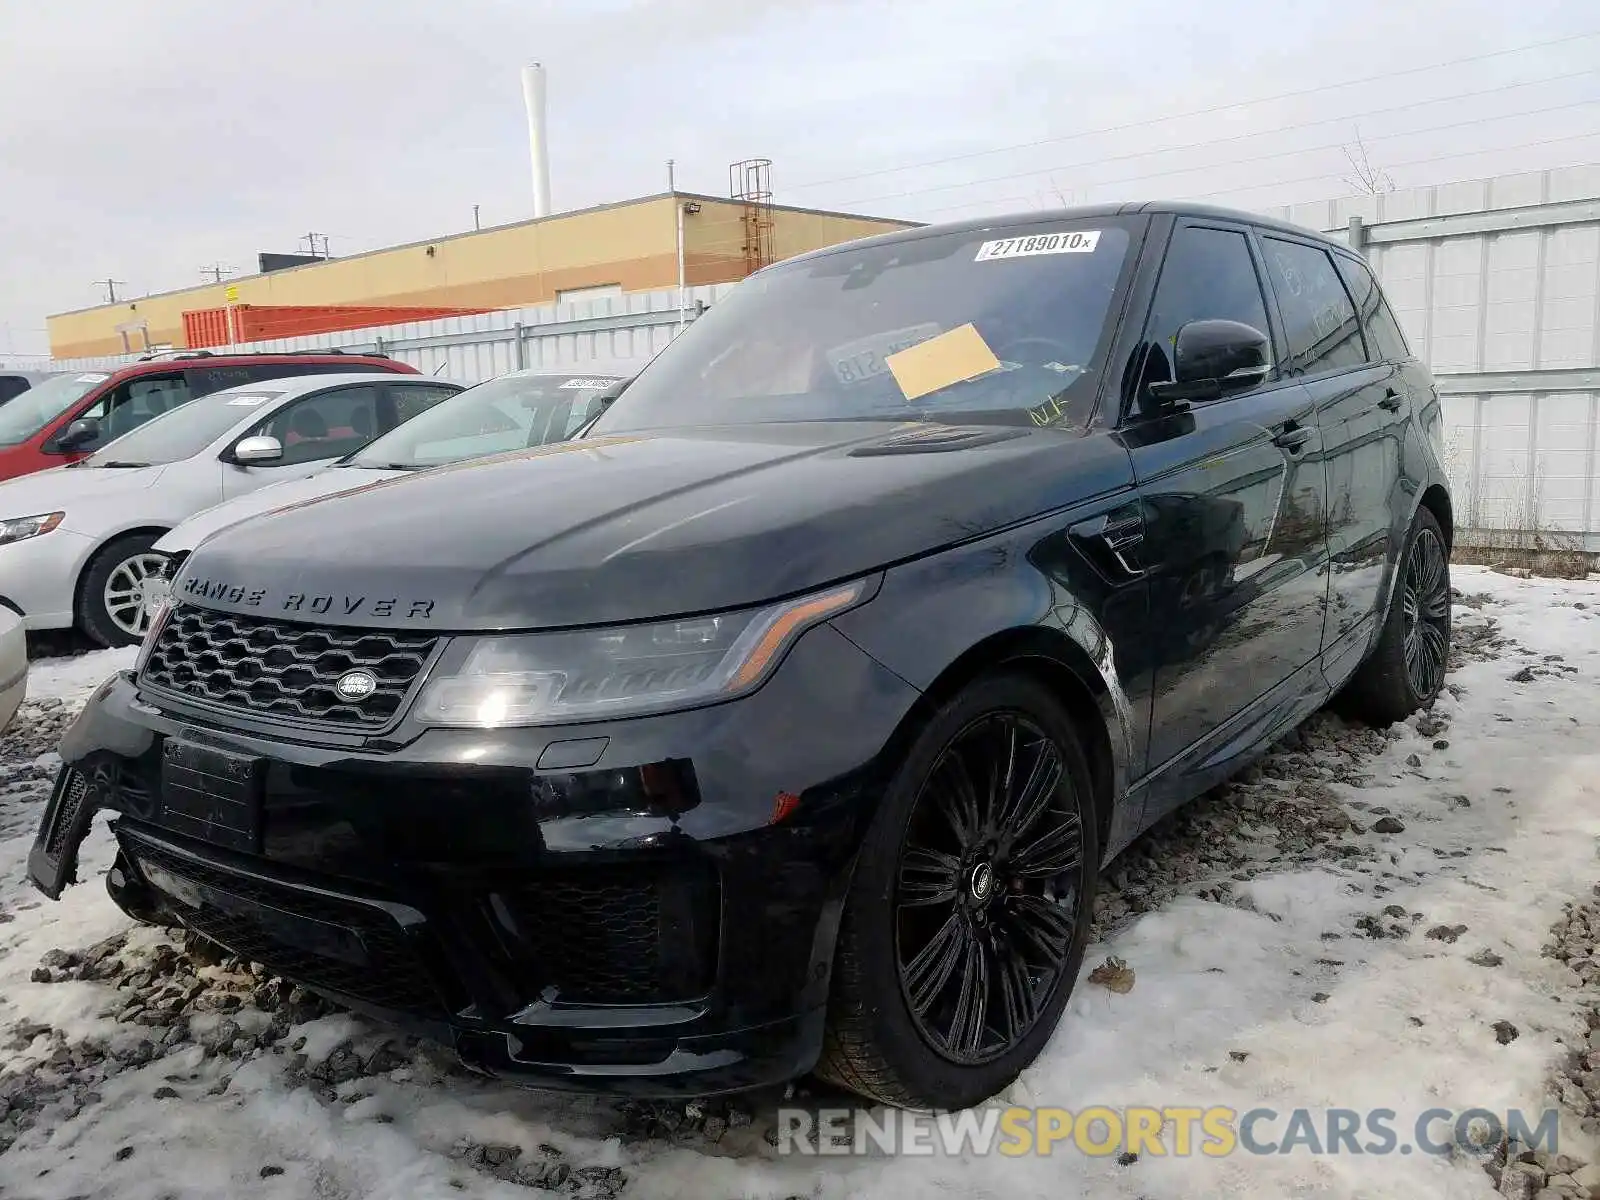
283	670
618	935
392	977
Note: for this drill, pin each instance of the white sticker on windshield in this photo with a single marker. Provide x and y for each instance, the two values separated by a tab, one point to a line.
91	378
247	401
864	358
1079	241
590	384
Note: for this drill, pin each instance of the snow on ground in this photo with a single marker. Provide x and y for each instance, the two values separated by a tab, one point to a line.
72	679
1296	940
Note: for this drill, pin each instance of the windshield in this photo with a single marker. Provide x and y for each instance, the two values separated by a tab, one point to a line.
512	412
180	432
37	407
1008	326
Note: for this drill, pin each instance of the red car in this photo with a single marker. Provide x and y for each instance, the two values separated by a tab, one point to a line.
69	416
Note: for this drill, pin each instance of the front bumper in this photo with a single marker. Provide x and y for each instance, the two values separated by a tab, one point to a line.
657	921
39	576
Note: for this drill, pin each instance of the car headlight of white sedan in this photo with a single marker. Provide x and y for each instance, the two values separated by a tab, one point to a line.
17	529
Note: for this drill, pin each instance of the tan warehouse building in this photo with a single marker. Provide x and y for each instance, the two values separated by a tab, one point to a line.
629	246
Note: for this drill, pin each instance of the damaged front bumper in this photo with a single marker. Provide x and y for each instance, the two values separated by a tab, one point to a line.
649	924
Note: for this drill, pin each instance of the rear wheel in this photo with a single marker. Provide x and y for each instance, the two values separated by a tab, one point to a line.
1406	669
113	608
966	921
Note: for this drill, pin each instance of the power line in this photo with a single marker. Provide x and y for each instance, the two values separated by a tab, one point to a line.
1200	112
1241	137
1240	162
1229	191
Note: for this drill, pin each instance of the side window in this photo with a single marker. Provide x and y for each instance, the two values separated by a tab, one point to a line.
1319	320
131	404
1209	274
325	425
205	380
411	401
11	385
1384	339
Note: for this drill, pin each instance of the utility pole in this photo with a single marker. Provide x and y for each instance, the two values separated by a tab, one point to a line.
475	222
672	187
217	272
311	240
111	286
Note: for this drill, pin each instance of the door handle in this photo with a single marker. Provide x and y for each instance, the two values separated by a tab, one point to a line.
1391	400
1292	436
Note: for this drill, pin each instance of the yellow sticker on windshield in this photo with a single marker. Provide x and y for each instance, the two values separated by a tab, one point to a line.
952	357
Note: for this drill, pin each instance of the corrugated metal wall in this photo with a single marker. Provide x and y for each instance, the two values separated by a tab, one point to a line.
1497	284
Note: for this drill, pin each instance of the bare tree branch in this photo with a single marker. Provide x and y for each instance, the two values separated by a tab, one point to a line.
1371	180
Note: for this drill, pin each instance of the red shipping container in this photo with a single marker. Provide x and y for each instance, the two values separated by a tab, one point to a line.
257	323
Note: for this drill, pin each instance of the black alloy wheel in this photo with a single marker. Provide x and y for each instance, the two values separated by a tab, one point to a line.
1425	614
968	911
1406	667
989	888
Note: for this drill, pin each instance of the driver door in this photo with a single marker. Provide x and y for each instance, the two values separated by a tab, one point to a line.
1234	496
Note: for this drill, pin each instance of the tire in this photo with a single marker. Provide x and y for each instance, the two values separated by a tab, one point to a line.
95	618
1386	687
880	1045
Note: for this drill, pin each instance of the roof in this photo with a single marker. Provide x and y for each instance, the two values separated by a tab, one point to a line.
191	358
469	233
1077	213
295	385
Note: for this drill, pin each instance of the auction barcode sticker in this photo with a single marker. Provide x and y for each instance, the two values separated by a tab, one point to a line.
1079	241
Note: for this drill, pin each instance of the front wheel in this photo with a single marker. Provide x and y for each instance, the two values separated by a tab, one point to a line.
115	598
1406	669
967	918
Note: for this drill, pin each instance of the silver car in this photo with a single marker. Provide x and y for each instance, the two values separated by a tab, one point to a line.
510	412
76	541
13	666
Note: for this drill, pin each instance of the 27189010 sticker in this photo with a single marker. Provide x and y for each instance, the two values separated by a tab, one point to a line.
1078	241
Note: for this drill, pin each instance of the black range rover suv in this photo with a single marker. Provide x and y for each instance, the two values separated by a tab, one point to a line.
785	718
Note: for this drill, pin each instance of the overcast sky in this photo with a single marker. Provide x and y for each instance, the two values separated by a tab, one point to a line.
144	140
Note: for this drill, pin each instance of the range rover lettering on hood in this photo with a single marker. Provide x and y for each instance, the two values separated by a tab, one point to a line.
305	603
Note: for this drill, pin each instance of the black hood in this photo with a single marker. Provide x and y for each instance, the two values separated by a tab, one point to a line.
627	528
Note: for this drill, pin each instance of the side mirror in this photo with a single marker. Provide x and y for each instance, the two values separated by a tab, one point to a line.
1213	358
80	435
257	450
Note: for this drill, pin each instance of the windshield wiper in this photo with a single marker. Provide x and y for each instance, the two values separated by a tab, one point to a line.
122	464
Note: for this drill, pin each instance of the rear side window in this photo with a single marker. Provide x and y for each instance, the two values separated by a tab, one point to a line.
413	400
1384	339
205	380
1319	320
11	385
1208	275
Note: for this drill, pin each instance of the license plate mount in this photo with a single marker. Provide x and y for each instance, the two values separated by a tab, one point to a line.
212	793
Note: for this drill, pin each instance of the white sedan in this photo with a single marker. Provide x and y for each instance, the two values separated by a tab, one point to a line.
514	411
13	666
76	541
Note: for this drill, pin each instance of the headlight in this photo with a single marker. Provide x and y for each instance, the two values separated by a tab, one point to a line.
592	674
18	528
157	620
